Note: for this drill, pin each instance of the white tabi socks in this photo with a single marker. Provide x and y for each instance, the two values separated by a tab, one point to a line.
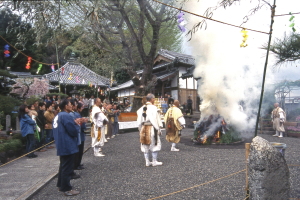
154	159
148	163
97	152
173	147
281	134
277	134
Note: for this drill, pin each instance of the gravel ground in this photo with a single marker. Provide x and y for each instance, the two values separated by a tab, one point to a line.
186	174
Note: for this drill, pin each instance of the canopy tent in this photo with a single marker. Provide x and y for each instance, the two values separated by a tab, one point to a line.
76	74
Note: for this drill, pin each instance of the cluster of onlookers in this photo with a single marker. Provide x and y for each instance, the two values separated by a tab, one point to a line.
61	120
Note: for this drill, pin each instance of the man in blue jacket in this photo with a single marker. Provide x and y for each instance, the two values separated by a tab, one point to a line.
65	134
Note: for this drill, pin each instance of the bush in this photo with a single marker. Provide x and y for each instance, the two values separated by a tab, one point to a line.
62	95
8	103
230	137
13	145
32	99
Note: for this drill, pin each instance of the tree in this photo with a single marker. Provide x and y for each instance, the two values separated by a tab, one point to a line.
129	30
286	49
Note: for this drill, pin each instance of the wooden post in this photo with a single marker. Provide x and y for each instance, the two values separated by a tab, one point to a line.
247	147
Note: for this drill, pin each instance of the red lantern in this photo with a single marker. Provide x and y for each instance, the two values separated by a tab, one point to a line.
28	63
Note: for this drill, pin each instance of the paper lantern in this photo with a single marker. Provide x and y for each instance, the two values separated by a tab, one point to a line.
28	63
6	51
71	76
181	21
62	71
39	69
52	67
245	37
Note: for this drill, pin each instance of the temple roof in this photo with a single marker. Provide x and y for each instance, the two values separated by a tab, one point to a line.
128	84
183	58
76	74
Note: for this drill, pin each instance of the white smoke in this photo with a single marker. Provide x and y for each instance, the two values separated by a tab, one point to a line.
229	74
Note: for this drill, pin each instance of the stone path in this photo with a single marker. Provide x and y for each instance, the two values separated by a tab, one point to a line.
122	174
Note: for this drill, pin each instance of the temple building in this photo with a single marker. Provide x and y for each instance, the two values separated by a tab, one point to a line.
174	73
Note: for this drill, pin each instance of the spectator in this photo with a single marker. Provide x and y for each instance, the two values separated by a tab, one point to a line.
170	101
91	102
78	156
27	129
41	122
190	105
116	111
48	99
49	115
65	134
56	109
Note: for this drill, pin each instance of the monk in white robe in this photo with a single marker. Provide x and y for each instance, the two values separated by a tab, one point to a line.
149	124
173	129
278	118
97	130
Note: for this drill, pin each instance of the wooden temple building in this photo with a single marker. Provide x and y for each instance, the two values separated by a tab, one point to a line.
74	74
174	73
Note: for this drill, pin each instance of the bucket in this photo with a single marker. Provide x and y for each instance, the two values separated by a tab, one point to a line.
280	146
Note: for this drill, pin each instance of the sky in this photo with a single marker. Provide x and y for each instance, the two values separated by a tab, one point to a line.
231	74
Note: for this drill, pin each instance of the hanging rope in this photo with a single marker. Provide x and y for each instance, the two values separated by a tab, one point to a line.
25	54
186	11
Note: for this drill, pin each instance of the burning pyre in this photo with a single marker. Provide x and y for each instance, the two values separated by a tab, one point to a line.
210	130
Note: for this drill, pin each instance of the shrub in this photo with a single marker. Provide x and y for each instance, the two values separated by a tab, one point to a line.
62	95
32	99
8	103
230	136
13	145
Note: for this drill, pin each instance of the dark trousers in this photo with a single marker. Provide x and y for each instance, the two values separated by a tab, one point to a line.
78	155
30	144
42	138
115	128
190	109
49	135
66	167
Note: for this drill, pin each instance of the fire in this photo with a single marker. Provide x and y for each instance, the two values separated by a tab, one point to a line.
204	139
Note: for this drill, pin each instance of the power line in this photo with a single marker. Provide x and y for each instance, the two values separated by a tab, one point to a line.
286	14
209	18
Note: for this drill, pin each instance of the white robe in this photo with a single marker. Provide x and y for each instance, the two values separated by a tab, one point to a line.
154	117
98	117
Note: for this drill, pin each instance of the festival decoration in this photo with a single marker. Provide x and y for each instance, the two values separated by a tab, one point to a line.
292	25
181	21
71	76
83	82
6	51
245	37
77	79
28	63
39	69
62	71
52	67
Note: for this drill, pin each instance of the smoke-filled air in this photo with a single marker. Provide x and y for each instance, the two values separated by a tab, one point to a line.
231	75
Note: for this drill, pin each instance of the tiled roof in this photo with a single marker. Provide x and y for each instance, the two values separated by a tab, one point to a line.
76	74
183	58
130	83
156	67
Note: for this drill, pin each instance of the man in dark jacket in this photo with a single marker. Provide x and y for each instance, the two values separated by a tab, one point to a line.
65	134
41	121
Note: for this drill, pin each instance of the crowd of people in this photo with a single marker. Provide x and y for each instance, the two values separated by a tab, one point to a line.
61	120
